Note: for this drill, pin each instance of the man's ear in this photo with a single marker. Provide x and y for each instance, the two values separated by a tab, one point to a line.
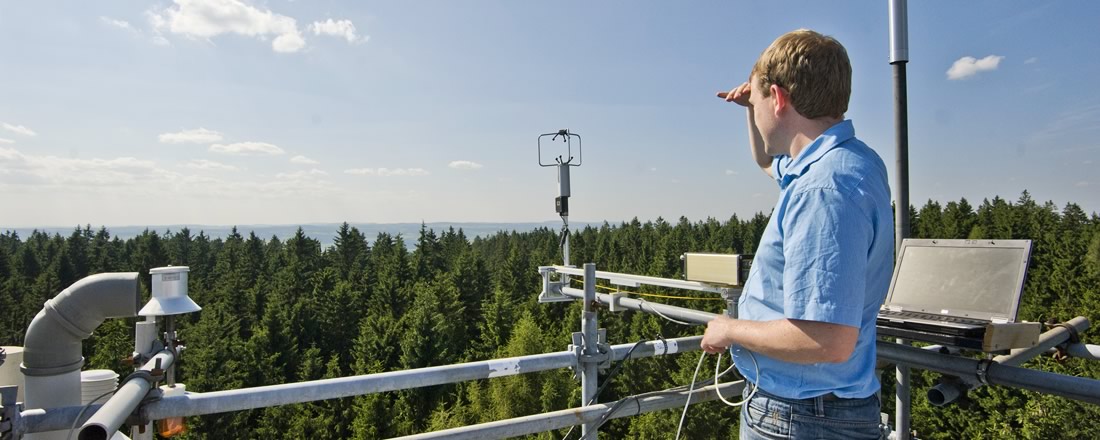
782	98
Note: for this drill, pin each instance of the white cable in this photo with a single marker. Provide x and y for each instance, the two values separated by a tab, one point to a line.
658	312
690	389
716	376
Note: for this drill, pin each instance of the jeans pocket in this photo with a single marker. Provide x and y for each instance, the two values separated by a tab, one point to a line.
766	421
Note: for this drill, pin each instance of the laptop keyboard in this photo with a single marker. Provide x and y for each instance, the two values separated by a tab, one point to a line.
930	317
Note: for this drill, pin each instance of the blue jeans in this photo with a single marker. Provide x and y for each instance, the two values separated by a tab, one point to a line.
771	417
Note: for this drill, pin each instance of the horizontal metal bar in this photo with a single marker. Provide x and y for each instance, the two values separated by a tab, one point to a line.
679	313
53	419
658	348
575	416
1077	388
1084	351
1049	339
39	420
624	279
194	404
948	391
258	397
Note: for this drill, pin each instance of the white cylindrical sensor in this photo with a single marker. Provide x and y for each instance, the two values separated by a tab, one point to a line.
899	31
169	293
563	180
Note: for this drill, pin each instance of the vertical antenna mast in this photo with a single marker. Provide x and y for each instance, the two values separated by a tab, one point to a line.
899	56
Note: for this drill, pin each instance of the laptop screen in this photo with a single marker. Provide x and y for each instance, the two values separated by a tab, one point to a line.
978	279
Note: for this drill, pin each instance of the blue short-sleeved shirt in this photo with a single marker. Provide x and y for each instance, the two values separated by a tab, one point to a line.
826	255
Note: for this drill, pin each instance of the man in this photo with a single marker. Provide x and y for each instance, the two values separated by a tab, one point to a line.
822	269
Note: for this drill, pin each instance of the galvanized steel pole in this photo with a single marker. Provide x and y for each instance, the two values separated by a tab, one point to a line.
948	392
194	404
259	397
678	313
1077	388
589	375
899	56
589	414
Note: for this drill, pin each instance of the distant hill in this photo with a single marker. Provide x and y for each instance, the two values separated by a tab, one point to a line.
323	232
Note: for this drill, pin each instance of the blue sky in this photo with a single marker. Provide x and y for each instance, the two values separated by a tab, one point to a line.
282	112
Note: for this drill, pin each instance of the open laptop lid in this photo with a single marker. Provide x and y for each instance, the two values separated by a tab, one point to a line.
980	279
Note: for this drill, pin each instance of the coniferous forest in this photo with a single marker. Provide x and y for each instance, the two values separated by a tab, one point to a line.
284	309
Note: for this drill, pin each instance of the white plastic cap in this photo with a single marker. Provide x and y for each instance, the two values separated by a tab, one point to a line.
169	293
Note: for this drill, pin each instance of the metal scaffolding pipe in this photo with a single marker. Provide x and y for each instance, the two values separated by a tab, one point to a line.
1077	388
679	313
1084	351
945	393
39	420
588	370
105	422
194	404
574	416
1049	339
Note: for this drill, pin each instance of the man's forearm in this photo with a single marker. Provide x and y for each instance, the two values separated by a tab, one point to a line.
803	342
756	145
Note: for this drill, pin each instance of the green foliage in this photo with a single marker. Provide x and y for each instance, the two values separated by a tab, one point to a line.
285	311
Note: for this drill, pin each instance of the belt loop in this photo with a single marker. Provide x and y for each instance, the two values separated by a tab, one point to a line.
819	406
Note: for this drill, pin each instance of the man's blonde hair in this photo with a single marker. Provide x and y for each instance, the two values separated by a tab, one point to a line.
812	68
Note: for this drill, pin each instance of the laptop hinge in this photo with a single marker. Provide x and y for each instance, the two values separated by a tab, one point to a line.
998	320
894	308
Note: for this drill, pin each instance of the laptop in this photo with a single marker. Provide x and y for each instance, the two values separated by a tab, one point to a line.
955	287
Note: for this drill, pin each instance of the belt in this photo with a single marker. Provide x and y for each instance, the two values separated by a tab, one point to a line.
830	397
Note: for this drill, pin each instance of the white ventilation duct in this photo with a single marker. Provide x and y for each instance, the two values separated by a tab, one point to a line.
52	347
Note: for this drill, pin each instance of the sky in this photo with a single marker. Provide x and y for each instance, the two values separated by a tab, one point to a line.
223	112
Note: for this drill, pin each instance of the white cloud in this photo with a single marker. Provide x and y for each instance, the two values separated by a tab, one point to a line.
19	129
654	169
6	141
205	19
966	67
464	165
1031	60
1082	184
203	164
197	136
301	174
247	149
337	28
731	173
386	172
98	180
24	169
302	160
288	43
121	24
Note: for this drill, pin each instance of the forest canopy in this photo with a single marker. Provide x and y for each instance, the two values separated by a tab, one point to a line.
278	310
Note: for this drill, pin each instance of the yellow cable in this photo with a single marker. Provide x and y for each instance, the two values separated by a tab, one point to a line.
653	295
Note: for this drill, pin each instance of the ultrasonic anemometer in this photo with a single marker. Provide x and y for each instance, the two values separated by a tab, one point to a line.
561	203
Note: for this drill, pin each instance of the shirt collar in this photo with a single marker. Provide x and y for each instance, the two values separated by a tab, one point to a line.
831	138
